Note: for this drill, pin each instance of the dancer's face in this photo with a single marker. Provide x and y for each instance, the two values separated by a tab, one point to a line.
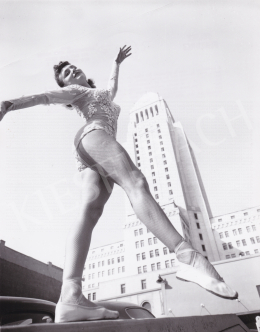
72	75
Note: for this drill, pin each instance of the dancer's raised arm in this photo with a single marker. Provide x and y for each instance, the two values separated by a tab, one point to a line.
113	81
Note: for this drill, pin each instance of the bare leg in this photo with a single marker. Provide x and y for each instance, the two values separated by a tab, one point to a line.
94	197
110	159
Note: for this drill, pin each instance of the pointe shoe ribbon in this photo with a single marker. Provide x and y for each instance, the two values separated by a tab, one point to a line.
66	312
197	269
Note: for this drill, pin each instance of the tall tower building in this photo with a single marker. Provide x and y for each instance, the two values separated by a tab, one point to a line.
161	150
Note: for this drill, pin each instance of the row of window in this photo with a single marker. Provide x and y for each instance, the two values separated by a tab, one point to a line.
143	286
237	231
109	261
229	245
152	253
168	264
112	247
109	272
233	217
145	113
93	296
256	251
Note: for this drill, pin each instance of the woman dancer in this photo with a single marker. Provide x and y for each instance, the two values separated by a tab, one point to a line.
103	162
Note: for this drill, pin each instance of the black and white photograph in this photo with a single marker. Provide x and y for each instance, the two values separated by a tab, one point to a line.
130	165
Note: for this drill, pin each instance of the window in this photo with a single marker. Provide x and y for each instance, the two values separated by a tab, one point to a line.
172	262
123	268
167	264
167	176
136	139
109	272
138	257
158	266
143	255
156	196
165	251
99	274
157	252
89	266
152	166
108	261
244	242
137	151
139	269
246	214
230	245
170	192
154	180
258	239
232	217
169	184
198	225
166	169
139	164
144	268
234	232
162	149
141	231
113	260
122	288
153	173
93	275
247	253
219	220
158	125
238	243
119	269
118	259
256	251
227	256
151	254
150	241
136	145
233	255
103	273
94	296
149	147
252	240
89	296
161	143
165	162
146	130
143	283
136	232
253	227
163	155
155	188
89	276
224	246
103	263
221	235
99	264
142	243
195	216
240	231
155	240
150	153
226	234
159	130
153	267
93	265
201	237
148	141
203	247
138	158
151	160
248	229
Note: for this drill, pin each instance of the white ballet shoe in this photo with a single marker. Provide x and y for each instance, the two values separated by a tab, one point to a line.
199	271
66	312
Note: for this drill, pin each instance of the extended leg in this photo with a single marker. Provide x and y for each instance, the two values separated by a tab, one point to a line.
110	159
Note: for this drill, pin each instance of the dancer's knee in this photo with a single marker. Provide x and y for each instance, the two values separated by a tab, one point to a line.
138	184
92	214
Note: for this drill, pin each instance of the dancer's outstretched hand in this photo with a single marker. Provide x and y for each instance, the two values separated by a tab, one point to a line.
4	107
123	53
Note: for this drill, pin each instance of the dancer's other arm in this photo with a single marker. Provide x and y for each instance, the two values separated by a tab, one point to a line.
61	96
113	81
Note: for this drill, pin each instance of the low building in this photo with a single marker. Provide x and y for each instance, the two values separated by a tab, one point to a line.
24	276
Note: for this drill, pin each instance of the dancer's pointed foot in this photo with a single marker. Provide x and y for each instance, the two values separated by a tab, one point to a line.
196	268
74	307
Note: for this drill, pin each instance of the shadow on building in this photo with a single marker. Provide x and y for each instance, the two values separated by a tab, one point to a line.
24	276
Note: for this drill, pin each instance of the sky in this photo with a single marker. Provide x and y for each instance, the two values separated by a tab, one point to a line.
202	57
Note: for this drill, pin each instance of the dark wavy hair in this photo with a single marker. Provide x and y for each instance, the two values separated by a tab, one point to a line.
57	70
